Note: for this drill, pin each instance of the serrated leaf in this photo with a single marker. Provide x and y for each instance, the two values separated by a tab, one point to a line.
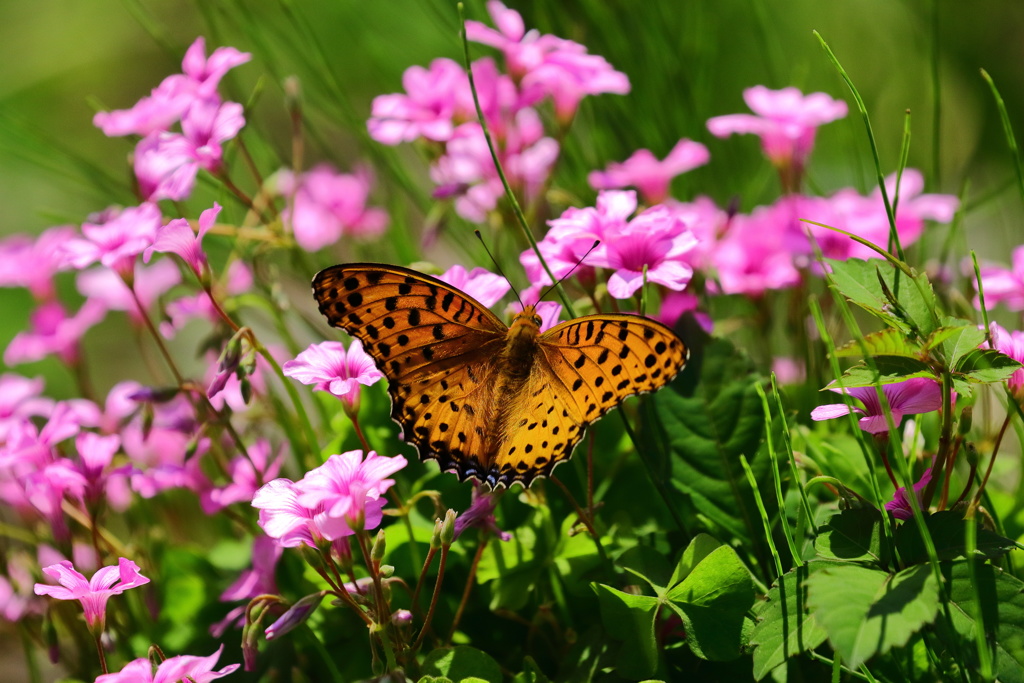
784	626
1001	599
867	612
858	281
712	601
854	536
986	366
891	369
888	342
947	529
631	618
961	341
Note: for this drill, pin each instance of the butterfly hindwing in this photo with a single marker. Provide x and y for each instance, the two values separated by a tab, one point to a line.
436	345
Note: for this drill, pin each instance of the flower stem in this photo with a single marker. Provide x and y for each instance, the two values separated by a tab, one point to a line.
433	598
101	654
484	538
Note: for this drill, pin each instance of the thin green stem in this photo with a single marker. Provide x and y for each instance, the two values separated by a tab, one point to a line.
934	54
779	571
1011	140
777	481
484	538
442	563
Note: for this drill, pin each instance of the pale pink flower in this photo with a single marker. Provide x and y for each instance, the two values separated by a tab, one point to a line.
20	398
648	175
177	238
91	478
755	255
910	397
899	506
1012	344
786	120
206	73
108	288
94	593
325	205
32	262
349	491
789	370
481	284
328	367
1004	285
245	475
117	241
17	599
257	580
434	102
283	518
171	670
51	331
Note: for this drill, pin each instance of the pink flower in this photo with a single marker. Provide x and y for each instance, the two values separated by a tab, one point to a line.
283	518
93	594
481	284
899	506
166	163
52	332
169	101
549	312
435	101
786	121
349	490
910	397
325	205
648	175
1012	344
755	255
237	280
108	288
257	580
1002	285
675	304
117	241
20	399
92	479
32	263
328	367
480	514
177	238
171	670
17	600
245	475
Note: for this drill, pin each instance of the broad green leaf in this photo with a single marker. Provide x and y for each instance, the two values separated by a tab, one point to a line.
700	547
958	341
531	673
986	366
712	601
891	369
648	564
854	536
514	566
462	663
866	611
858	281
631	618
1001	598
888	342
706	433
784	626
946	529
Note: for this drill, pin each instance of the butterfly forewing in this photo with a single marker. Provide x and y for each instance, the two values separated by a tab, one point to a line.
586	367
437	347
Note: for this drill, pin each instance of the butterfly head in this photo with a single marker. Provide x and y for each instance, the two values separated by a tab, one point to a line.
526	322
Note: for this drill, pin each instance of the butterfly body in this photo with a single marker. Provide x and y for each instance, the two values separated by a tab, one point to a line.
496	403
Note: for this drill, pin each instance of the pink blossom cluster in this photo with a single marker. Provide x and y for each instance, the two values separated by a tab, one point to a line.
167	162
437	108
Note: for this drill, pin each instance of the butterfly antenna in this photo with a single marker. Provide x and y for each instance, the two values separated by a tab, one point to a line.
498	267
578	264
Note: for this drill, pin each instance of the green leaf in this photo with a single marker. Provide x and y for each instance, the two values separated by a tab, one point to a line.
1001	599
946	529
858	281
986	366
854	536
515	566
867	612
707	432
630	618
785	627
648	564
462	663
700	547
957	341
888	342
712	601
891	369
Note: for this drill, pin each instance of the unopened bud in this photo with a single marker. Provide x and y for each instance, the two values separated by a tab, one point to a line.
379	546
386	571
971	454
966	418
401	617
435	538
296	615
448	528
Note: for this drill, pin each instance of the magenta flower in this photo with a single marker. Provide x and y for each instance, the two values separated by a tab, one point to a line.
1004	285
755	255
168	102
109	289
32	262
348	491
786	121
93	594
283	518
328	367
17	600
257	580
245	475
117	241
1012	344
648	175
325	205
655	239
481	284
480	514
899	506
92	479
171	670
910	397
177	238
20	398
51	331
435	101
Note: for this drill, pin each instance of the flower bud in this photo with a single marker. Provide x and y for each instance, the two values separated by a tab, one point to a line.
966	418
401	617
971	453
379	546
448	529
435	538
387	571
296	615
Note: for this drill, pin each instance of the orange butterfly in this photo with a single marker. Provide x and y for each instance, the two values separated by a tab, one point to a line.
489	402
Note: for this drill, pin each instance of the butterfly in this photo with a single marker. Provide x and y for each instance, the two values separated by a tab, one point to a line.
495	403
